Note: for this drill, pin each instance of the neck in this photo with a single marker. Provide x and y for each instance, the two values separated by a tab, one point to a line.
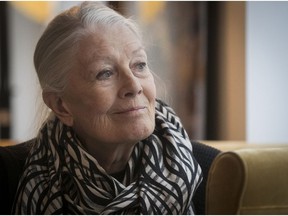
112	159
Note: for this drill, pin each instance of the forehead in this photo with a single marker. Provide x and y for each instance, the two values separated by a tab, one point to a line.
107	41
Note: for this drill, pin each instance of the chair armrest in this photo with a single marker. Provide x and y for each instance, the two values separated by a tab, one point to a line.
249	181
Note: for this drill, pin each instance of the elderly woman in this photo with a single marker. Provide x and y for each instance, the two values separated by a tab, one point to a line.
109	146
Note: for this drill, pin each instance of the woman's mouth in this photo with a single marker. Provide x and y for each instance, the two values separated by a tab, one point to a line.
132	110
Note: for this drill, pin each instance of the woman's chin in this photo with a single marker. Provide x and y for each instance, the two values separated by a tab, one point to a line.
139	132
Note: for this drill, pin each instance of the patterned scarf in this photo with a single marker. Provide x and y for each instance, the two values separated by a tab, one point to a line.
61	177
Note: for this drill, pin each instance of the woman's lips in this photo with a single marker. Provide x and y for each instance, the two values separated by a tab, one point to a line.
131	110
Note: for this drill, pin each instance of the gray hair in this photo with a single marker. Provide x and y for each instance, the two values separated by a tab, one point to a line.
57	47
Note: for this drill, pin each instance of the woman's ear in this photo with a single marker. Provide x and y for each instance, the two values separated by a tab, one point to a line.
58	106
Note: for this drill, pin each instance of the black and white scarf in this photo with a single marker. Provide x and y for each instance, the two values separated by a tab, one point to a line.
61	177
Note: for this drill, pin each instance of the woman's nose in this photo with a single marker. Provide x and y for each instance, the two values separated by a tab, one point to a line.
130	86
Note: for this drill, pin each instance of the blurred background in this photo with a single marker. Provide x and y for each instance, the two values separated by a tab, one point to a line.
222	66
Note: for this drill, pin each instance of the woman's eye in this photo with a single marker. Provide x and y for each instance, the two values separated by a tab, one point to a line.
141	66
104	75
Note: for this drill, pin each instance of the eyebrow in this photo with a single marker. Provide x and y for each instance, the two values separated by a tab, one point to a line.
138	50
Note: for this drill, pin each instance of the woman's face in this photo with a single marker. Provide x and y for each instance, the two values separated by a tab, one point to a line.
111	91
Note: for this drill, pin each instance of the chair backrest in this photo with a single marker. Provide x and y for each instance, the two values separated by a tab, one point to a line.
204	155
249	181
12	159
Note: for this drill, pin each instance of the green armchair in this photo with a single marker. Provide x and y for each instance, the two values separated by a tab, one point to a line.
249	181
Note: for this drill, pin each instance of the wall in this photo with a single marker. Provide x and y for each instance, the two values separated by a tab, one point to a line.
227	63
26	98
267	72
23	35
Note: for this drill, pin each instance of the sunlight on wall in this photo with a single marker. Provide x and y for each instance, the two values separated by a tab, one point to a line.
38	11
149	10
